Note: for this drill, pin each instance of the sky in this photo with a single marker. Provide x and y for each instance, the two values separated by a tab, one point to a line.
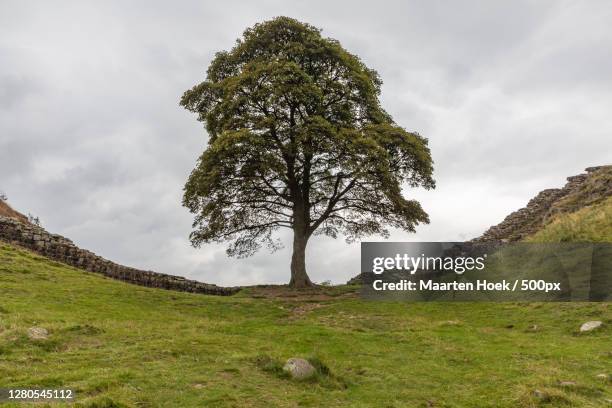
514	96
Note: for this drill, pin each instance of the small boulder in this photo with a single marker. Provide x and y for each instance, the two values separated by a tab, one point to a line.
38	333
299	368
588	326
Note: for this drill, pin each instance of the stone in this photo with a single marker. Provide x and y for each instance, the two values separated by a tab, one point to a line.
38	333
539	394
299	368
61	249
567	383
592	325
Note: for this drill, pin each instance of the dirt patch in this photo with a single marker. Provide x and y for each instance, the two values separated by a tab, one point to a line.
314	294
303	309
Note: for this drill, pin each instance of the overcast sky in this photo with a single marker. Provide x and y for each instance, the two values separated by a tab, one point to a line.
514	96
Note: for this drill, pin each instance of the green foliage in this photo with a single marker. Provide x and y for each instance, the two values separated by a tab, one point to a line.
298	139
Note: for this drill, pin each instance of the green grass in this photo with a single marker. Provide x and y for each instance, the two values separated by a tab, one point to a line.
592	224
121	345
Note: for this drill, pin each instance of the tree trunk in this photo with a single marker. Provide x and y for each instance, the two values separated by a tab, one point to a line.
299	277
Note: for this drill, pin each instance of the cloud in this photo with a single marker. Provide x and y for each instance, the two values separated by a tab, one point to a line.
513	96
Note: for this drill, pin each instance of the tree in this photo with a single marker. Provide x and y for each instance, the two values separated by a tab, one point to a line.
298	139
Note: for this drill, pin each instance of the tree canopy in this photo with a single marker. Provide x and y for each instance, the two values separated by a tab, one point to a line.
298	139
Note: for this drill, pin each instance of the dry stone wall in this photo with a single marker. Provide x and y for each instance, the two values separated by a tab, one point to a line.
64	250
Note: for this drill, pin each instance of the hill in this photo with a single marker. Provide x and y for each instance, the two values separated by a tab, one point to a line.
581	191
120	345
580	211
13	229
7	211
592	223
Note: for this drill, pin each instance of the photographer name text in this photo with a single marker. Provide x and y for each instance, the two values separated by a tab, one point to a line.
479	285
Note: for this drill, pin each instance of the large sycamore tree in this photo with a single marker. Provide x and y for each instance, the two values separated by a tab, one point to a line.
298	140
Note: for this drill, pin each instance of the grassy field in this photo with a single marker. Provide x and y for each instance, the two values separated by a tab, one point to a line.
121	345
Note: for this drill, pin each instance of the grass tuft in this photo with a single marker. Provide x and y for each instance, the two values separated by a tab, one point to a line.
271	366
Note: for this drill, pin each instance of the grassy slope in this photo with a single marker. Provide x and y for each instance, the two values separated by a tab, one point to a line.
593	224
118	344
7	211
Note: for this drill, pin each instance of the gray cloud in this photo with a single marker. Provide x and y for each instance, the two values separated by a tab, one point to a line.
514	97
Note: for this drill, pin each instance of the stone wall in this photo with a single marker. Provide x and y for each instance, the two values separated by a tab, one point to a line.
580	191
63	250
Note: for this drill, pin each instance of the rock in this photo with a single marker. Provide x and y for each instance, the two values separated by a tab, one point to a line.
592	325
38	333
356	280
299	368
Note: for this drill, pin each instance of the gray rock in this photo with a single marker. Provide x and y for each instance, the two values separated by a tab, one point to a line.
299	368
38	333
592	325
